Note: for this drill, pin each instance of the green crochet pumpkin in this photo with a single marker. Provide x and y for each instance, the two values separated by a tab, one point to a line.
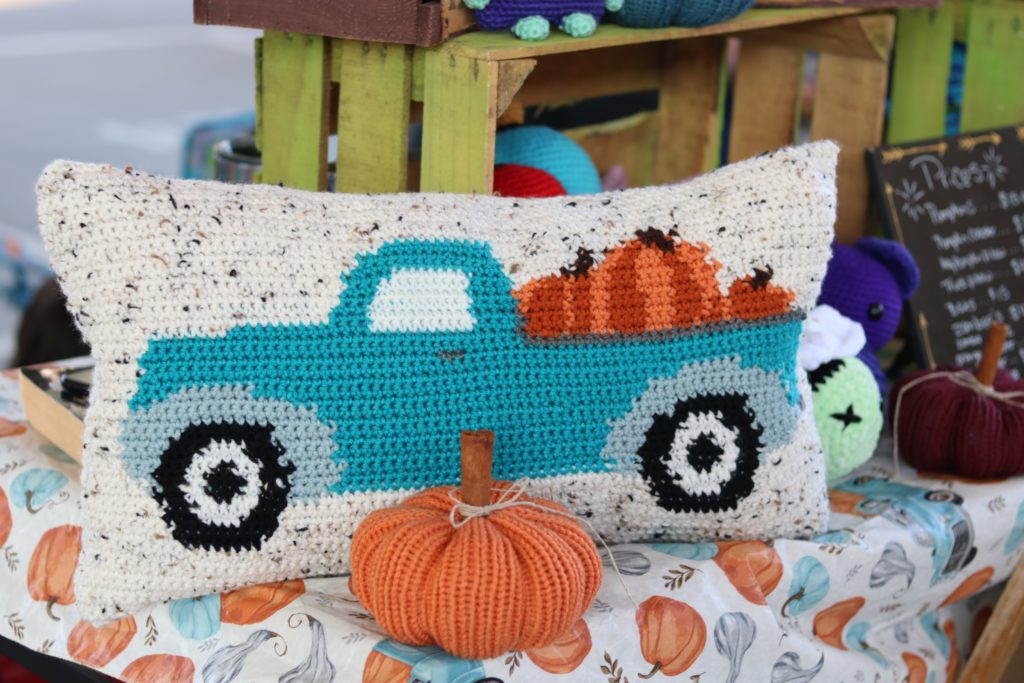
848	412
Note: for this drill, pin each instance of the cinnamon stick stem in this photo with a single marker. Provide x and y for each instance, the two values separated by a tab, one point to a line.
993	351
477	462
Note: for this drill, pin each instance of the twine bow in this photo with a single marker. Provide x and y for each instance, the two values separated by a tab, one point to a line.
512	497
959	377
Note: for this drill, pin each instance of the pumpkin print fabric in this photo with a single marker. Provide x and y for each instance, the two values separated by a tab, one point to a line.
840	607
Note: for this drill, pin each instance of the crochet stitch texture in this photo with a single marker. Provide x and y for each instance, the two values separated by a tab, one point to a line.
274	365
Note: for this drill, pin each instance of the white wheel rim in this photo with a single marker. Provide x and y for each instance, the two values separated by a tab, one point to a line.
207	509
691	479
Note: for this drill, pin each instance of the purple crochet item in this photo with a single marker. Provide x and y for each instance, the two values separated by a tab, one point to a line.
503	14
869	282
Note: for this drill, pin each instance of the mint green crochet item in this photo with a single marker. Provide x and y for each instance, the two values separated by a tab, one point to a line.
610	5
476	4
532	28
579	25
848	412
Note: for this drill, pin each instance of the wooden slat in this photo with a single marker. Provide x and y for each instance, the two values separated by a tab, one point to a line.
511	76
575	76
766	98
295	100
687	108
496	45
994	73
459	118
862	36
629	142
920	74
849	107
412	22
1001	637
258	52
373	116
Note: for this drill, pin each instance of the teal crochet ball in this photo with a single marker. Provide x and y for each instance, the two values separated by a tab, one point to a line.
848	412
547	149
691	13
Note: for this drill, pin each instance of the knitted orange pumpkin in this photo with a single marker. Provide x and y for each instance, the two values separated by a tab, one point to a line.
515	579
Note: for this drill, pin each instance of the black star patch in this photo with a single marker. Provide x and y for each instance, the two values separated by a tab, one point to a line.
847	418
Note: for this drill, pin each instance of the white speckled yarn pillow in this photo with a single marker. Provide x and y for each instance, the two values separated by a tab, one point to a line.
273	364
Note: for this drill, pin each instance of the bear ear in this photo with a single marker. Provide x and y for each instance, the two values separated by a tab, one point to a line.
897	260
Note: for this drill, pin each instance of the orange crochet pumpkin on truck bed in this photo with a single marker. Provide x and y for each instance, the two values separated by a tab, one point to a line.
654	283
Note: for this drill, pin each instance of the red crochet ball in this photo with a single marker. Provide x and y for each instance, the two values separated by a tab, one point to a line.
513	180
946	427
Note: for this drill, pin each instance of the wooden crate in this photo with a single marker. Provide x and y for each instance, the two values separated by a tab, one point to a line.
464	86
993	94
410	22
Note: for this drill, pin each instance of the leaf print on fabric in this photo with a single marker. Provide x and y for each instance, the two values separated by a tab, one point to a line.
672	635
628	562
734	634
1016	538
196	618
830	622
33	488
809	586
787	669
225	664
317	667
687	551
893	564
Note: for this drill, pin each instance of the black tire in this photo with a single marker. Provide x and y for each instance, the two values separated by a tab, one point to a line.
736	419
233	472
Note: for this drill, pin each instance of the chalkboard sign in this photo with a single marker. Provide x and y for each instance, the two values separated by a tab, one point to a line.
958	205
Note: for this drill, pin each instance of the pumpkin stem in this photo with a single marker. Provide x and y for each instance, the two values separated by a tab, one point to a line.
986	372
28	503
793	598
650	674
49	609
477	460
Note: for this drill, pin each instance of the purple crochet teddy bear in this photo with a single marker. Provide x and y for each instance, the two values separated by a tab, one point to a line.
532	19
869	282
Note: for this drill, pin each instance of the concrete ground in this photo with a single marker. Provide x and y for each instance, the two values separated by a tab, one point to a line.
118	81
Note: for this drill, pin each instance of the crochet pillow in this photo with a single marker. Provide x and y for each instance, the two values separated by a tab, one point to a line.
272	365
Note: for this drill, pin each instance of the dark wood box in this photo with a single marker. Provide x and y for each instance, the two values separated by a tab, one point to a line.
410	22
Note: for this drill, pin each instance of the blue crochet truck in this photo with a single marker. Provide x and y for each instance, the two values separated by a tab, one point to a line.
425	341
